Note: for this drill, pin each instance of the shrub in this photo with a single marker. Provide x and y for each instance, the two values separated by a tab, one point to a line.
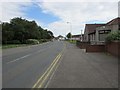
32	41
114	35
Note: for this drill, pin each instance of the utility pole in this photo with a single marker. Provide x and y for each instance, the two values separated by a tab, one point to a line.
81	36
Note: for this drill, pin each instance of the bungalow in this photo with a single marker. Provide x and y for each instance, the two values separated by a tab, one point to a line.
96	33
101	32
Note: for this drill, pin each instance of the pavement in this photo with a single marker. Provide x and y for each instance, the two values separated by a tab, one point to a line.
79	69
23	66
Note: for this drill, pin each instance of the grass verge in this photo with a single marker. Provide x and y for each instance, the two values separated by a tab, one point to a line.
72	41
13	46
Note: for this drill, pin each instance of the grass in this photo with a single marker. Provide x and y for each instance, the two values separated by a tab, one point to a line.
13	46
72	41
16	45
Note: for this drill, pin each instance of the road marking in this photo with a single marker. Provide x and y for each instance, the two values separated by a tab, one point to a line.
49	70
19	58
53	73
43	81
55	68
35	85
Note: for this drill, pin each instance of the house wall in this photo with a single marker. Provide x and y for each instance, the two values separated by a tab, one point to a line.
86	37
115	27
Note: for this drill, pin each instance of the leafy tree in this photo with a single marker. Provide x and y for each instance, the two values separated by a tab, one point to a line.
69	35
21	30
7	33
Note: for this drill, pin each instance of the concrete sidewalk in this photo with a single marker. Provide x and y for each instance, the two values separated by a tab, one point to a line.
78	69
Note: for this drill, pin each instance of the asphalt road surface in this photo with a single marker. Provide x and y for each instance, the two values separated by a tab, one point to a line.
58	64
23	66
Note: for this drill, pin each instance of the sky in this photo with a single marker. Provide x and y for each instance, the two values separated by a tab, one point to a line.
54	14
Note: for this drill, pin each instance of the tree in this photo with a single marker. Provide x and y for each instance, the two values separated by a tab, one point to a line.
21	30
69	35
7	33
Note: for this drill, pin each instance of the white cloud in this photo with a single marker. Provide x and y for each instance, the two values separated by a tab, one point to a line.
77	0
79	13
13	9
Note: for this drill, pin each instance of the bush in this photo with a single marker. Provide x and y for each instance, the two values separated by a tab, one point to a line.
32	41
14	42
114	35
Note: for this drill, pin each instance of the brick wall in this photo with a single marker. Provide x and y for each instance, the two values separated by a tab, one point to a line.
113	48
95	48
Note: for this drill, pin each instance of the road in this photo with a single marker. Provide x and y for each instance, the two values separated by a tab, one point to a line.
23	66
58	64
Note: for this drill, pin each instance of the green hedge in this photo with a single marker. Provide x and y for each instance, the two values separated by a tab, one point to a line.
114	35
32	41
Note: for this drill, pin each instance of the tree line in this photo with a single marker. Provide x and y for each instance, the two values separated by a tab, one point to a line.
20	30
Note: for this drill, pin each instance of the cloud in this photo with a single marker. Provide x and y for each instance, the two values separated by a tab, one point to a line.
78	13
76	0
13	9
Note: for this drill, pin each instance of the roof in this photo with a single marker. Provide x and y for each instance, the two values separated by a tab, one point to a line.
90	28
114	21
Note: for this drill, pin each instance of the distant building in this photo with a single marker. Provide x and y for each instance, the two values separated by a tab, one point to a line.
60	37
77	37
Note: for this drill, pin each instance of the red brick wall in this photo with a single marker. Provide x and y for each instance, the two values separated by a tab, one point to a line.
113	48
95	48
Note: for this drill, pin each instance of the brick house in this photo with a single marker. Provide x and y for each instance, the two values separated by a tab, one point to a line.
101	32
96	33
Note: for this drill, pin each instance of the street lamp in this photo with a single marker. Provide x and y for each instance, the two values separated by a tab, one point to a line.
81	36
70	27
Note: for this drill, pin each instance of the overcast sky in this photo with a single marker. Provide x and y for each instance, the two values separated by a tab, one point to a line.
54	14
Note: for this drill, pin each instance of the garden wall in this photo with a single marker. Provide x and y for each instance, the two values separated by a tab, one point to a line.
113	48
95	48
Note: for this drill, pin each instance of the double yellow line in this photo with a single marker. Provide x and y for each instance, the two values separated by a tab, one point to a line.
44	77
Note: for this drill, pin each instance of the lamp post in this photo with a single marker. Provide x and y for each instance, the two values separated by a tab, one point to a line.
81	36
70	28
